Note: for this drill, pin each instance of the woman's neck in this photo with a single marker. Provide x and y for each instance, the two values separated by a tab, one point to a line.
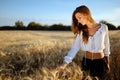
91	25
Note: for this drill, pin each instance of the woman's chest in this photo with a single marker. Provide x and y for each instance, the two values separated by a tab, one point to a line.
97	38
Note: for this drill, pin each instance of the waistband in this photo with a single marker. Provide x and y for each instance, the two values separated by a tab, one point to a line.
92	59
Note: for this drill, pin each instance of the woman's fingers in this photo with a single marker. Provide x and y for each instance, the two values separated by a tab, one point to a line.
60	68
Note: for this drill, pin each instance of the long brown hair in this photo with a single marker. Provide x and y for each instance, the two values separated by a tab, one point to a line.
78	27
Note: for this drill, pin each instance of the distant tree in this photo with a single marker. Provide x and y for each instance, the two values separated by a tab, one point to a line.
34	25
46	27
110	26
7	28
103	21
19	24
57	27
118	27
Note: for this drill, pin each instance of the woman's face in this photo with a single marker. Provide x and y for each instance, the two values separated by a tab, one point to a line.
81	18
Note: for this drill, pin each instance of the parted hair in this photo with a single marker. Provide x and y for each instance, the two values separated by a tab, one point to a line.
77	27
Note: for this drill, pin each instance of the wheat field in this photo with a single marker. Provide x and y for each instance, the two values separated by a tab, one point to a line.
32	55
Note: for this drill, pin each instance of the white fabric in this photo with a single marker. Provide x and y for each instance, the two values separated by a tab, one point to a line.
97	43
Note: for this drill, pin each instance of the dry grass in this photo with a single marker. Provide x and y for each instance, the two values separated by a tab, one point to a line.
31	55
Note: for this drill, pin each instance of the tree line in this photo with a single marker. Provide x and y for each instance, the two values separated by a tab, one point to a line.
19	25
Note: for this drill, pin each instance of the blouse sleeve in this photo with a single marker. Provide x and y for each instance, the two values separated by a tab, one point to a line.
106	43
75	48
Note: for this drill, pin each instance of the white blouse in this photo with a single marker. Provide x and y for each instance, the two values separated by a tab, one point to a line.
97	43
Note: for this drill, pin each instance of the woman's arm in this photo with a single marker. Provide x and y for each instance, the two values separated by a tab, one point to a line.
107	59
106	42
71	54
108	64
107	49
73	51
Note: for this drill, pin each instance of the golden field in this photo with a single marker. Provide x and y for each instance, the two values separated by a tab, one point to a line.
32	55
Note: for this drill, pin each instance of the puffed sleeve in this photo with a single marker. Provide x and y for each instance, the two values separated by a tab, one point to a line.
73	51
106	42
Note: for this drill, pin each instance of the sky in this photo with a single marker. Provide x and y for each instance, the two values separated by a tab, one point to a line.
56	11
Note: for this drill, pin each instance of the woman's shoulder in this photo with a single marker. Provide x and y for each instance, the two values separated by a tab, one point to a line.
104	26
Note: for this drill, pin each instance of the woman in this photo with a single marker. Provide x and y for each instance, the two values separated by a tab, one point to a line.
92	38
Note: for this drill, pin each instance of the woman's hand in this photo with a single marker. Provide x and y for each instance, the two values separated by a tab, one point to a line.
108	68
61	67
107	64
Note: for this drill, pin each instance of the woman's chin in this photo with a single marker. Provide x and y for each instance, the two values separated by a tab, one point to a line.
83	24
